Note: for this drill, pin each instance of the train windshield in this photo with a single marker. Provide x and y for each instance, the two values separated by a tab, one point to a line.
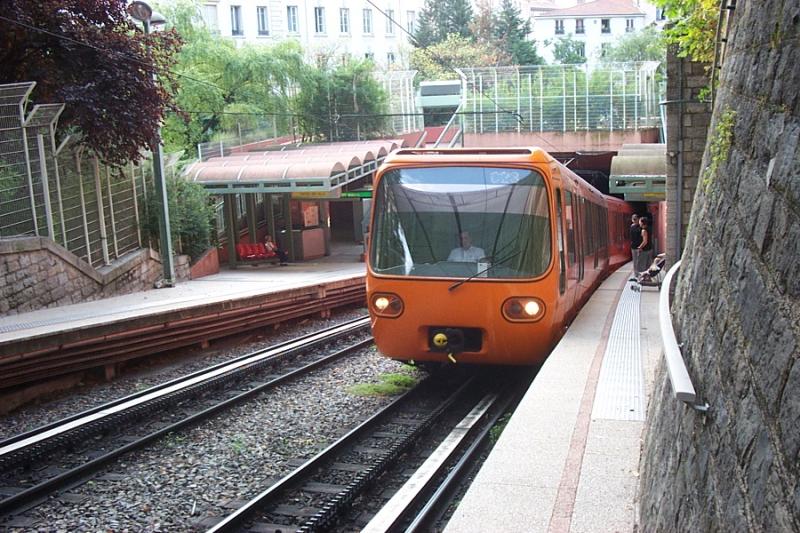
461	221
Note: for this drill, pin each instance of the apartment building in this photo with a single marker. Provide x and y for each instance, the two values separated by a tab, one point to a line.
354	27
597	24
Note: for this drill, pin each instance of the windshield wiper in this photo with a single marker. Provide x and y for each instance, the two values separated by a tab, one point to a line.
457	284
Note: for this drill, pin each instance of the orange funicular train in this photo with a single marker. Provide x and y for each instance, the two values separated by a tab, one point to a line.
484	256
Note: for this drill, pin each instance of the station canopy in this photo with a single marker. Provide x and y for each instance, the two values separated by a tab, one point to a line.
314	170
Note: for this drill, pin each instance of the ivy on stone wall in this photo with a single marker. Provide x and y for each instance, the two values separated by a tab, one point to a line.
720	145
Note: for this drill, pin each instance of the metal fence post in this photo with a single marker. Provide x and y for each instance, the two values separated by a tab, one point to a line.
30	179
48	208
83	209
58	187
98	189
136	206
111	213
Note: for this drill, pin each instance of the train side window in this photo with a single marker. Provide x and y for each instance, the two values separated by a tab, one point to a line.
579	230
571	219
562	274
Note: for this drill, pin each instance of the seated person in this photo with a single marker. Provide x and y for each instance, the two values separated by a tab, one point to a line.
272	249
466	252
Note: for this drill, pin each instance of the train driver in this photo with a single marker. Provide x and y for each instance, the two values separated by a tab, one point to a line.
466	252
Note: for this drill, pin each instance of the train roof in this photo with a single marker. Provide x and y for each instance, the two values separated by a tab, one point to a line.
469	155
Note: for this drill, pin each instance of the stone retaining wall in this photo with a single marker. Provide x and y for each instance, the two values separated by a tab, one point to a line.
737	306
35	273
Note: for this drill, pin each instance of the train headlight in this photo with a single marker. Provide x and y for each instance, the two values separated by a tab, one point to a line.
387	305
523	309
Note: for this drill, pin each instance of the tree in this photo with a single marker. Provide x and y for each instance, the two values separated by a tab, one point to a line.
644	45
569	51
225	85
693	27
438	62
511	35
87	54
440	18
341	103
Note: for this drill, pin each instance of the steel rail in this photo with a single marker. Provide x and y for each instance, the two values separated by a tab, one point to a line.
85	469
237	519
319	336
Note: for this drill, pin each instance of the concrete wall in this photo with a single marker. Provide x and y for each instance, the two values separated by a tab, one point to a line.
687	130
737	307
35	273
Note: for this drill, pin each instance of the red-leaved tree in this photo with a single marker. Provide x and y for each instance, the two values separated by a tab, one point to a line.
89	55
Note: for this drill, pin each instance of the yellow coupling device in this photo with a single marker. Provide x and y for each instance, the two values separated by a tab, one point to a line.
440	340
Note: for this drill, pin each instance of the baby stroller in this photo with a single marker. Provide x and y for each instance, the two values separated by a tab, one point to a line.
653	276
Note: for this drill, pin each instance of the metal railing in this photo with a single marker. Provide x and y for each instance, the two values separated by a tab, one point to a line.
682	386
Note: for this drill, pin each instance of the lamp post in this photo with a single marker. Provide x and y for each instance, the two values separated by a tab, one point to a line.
142	12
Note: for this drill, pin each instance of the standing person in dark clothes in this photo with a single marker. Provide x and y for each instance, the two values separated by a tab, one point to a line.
636	241
646	248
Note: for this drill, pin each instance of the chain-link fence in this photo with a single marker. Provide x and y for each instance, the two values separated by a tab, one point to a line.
62	191
612	96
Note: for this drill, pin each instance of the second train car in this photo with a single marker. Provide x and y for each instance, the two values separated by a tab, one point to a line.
484	256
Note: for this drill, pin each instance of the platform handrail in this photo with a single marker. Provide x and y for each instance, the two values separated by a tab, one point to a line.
682	386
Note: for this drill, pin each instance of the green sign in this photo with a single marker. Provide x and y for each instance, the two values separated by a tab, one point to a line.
356	194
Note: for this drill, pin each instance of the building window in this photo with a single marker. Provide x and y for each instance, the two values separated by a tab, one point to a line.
210	17
390	22
579	26
581	49
369	55
629	25
291	19
411	21
344	20
390	58
605	25
559	27
263	20
660	15
236	20
604	48
368	21
319	20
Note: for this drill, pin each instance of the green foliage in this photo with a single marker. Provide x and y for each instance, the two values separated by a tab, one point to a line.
694	26
225	85
437	62
569	51
440	18
391	384
341	103
190	215
497	429
720	145
644	45
510	34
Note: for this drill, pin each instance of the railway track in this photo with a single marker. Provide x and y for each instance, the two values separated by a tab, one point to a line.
436	428
68	452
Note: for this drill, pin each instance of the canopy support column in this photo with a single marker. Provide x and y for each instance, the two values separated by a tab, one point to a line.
229	212
287	217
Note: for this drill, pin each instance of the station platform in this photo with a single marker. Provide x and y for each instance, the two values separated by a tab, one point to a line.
567	461
101	333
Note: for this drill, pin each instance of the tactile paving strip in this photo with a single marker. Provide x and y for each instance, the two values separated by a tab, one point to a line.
620	387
